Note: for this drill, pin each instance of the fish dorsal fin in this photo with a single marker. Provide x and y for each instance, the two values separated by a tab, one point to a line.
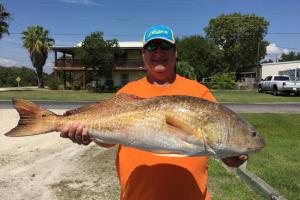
179	127
116	100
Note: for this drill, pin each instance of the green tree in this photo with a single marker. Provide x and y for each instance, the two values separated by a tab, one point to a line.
98	53
291	56
38	43
204	57
268	61
8	76
4	18
241	37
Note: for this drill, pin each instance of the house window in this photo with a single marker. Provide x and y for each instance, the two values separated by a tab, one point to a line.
124	79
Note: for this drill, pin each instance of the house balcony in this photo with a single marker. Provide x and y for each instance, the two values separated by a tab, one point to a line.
128	63
119	63
66	63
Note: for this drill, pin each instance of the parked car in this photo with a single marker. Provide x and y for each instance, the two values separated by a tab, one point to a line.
279	84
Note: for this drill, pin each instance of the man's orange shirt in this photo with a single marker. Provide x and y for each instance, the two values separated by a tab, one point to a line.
144	175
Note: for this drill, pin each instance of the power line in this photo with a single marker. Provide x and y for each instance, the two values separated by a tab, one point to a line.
80	34
84	34
129	34
292	48
10	42
283	33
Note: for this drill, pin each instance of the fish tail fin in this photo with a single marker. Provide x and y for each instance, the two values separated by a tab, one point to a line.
32	119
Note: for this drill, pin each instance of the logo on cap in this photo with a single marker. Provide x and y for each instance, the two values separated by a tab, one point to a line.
159	32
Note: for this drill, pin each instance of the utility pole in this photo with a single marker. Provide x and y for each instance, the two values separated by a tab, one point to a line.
258	67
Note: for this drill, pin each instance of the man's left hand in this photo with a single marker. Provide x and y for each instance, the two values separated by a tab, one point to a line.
235	161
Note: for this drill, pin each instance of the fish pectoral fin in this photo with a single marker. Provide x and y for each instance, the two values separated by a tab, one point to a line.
179	127
116	100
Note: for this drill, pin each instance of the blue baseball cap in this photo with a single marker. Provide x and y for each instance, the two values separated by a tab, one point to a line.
159	32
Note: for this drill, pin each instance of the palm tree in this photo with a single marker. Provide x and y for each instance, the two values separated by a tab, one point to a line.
4	17
38	44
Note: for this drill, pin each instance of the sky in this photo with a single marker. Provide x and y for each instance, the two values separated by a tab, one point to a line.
70	21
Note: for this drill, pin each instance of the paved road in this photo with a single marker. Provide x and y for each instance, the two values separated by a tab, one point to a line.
241	108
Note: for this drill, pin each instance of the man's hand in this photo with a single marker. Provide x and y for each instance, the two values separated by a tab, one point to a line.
76	132
235	161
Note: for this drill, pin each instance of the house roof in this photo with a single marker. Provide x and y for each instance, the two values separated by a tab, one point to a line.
122	45
131	44
280	63
63	49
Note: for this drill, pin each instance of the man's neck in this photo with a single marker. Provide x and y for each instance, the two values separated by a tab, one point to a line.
162	83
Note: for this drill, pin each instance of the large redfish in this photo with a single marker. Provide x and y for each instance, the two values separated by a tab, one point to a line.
181	125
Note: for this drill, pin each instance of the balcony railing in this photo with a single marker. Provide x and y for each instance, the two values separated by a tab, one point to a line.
117	63
129	63
67	63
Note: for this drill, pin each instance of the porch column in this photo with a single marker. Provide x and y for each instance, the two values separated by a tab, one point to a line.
65	81
55	58
84	80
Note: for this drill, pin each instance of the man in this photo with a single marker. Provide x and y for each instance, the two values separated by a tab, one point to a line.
144	175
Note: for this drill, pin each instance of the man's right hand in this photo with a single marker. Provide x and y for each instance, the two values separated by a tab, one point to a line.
76	132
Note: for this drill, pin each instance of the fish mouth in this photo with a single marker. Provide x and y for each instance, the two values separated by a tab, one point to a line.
253	150
257	148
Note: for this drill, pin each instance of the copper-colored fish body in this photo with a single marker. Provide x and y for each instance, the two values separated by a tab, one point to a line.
167	125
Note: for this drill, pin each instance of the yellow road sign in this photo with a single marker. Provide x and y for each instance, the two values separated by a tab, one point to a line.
18	79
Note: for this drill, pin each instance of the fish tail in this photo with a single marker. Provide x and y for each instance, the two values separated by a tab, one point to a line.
33	119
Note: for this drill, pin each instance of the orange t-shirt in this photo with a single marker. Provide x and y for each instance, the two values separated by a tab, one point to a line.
144	175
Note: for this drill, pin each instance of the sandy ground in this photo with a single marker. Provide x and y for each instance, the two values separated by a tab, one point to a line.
50	167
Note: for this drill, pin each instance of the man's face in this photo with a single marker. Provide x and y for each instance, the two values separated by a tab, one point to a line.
160	59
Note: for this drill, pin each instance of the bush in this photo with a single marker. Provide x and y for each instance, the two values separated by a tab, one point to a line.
223	81
53	84
76	85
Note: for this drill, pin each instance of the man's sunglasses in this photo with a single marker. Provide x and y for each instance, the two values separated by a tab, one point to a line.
164	45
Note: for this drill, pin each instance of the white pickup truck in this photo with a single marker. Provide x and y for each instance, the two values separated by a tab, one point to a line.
279	84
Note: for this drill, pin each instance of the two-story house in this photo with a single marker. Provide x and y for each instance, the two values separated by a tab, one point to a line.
127	68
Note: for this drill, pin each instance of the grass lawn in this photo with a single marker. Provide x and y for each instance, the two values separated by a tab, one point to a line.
224	185
251	96
279	163
70	95
59	95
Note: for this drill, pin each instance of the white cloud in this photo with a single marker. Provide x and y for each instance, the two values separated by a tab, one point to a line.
7	62
83	2
273	49
274	52
285	51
